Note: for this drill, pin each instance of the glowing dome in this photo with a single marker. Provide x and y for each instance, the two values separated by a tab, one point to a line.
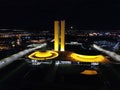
43	54
89	72
38	55
88	58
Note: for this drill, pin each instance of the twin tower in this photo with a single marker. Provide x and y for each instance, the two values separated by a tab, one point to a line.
59	35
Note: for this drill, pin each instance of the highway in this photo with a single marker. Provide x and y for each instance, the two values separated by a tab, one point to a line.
14	57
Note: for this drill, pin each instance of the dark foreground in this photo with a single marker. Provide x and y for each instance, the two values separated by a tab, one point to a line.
22	76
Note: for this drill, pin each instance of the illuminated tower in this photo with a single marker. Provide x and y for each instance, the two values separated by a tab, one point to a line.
59	35
56	37
62	36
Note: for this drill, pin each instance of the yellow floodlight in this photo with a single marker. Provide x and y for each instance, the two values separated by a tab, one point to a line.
59	35
62	36
38	55
88	58
56	35
89	72
43	54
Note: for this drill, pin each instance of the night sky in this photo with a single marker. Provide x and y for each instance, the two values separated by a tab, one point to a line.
40	14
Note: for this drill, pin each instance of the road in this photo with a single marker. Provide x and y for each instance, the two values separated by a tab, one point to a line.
4	62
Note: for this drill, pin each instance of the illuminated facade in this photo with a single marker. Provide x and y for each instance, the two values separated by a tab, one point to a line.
59	36
38	55
88	58
56	36
67	56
